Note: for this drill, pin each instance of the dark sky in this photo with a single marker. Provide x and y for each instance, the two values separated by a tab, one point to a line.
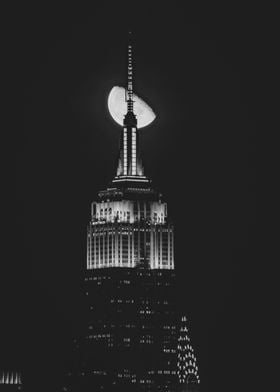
198	69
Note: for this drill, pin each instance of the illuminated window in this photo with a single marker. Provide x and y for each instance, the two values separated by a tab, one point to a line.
125	152
133	151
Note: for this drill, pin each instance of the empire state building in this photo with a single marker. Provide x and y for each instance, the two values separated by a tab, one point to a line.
130	338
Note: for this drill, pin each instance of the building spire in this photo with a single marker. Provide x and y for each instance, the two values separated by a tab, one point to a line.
129	97
130	165
187	369
130	118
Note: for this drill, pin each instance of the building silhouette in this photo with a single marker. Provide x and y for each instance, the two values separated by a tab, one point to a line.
130	338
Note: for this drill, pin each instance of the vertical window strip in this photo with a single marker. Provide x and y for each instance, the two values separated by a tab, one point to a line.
133	151
125	151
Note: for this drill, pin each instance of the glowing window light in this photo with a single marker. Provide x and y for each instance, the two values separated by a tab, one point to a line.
133	151
125	151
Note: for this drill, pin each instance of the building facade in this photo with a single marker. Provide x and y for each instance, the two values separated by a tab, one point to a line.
130	338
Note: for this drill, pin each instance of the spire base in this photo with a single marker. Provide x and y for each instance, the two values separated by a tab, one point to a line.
130	120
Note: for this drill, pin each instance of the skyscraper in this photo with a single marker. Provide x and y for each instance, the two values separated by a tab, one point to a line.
130	338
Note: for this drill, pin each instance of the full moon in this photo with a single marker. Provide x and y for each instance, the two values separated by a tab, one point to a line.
118	108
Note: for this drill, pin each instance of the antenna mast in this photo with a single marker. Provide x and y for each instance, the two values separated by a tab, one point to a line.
129	97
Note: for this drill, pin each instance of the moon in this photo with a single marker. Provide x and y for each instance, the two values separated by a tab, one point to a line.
118	108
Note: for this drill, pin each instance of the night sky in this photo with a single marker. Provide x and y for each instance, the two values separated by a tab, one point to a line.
197	69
